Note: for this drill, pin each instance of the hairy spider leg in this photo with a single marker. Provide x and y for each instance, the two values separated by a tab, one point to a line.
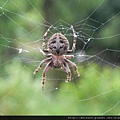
44	40
40	65
48	66
69	56
44	54
73	65
67	69
74	41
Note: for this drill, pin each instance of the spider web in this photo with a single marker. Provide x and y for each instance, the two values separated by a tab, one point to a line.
97	87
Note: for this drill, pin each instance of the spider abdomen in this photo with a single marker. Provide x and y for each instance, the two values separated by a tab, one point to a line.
58	44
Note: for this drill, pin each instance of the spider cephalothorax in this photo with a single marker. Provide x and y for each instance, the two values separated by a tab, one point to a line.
58	46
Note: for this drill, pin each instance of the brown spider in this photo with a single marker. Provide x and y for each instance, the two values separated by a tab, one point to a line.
58	46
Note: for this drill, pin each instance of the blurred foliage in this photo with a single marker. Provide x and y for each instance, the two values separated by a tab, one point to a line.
21	94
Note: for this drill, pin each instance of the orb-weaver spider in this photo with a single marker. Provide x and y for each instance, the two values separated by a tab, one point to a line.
58	46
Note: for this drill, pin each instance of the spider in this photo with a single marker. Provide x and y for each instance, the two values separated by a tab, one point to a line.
57	47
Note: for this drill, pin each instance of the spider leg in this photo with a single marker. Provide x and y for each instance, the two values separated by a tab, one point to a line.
48	66
45	50
44	54
40	65
74	42
44	36
41	51
67	69
69	56
73	65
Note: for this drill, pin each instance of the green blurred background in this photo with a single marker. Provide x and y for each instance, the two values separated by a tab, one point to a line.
22	25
